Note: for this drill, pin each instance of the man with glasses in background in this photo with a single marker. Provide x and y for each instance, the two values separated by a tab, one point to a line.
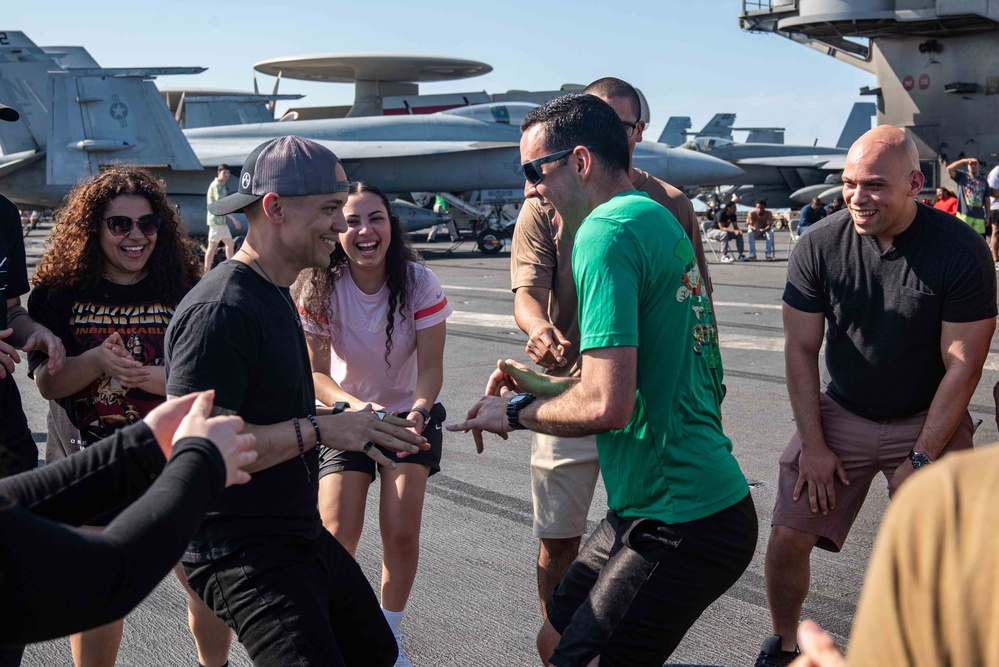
681	527
564	470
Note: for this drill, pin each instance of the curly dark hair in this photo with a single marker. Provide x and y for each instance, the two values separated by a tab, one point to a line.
73	258
314	287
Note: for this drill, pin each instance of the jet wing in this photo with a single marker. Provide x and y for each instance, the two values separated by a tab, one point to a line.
829	162
233	150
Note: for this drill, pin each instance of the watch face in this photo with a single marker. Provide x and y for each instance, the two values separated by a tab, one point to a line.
521	399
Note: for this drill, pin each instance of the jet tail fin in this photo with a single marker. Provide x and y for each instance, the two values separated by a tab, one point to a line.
675	132
858	122
719	126
104	116
24	71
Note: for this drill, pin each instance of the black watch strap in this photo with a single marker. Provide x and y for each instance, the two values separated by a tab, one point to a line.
423	411
513	408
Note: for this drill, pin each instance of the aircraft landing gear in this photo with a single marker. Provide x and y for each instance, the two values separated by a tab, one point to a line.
490	241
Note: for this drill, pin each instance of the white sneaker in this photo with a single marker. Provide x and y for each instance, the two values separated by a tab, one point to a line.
402	660
726	259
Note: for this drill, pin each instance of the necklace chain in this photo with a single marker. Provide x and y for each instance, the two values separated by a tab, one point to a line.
284	297
139	276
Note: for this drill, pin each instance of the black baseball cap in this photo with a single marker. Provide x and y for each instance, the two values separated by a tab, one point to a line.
288	166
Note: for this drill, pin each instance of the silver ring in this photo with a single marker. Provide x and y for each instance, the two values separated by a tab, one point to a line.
367	447
380	414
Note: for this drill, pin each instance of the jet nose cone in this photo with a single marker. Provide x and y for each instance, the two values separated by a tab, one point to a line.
684	167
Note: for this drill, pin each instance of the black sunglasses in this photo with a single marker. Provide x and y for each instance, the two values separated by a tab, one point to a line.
121	225
629	128
532	169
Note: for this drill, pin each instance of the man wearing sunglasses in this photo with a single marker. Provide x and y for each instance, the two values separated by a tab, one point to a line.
564	470
17	332
681	527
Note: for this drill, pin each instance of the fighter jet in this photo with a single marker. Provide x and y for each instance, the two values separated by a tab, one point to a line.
76	119
783	174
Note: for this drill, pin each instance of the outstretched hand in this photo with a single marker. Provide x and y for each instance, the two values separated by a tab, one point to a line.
8	355
354	430
517	377
223	431
489	414
546	345
43	339
188	416
817	648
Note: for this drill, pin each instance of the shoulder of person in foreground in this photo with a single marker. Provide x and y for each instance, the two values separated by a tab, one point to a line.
931	584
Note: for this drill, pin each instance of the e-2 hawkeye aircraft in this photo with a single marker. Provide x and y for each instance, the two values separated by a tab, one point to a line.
75	119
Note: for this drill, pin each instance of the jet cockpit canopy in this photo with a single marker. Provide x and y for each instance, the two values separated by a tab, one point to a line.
707	144
503	113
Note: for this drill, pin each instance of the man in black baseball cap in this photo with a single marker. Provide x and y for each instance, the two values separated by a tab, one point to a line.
262	559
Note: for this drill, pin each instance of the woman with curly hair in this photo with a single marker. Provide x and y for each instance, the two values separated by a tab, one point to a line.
114	269
375	327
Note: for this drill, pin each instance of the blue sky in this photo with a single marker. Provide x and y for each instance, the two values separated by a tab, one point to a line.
689	58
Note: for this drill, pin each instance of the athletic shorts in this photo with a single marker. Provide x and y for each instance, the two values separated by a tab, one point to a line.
638	585
335	460
563	475
865	447
218	233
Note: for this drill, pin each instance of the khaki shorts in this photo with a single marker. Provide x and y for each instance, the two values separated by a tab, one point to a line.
563	475
218	233
864	447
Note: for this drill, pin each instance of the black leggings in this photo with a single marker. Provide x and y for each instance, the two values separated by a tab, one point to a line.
113	570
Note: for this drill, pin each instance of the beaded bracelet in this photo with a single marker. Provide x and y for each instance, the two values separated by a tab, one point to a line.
319	437
301	447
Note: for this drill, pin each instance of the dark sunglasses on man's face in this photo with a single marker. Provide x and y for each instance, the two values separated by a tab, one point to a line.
532	169
121	225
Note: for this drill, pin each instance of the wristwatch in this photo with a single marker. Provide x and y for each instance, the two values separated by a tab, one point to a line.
918	459
514	407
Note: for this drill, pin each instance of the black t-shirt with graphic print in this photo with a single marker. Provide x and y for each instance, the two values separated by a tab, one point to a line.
83	319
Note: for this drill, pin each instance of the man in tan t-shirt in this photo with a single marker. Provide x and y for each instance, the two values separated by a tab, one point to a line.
760	222
564	470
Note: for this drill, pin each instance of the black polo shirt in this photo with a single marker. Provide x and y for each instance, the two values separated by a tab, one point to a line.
884	309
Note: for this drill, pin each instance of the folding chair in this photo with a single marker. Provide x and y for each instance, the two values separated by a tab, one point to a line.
706	240
793	235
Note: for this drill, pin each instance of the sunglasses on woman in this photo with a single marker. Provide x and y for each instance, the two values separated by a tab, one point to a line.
121	225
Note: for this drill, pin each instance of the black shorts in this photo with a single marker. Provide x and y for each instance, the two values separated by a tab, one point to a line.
335	460
638	585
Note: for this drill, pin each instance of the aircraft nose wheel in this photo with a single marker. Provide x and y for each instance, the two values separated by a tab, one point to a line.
490	241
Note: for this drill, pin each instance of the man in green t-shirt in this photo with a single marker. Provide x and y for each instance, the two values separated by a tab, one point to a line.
681	527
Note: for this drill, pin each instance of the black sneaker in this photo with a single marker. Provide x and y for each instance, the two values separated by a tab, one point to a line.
771	654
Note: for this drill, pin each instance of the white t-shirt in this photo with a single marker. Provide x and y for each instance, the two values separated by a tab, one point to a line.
357	355
993	180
